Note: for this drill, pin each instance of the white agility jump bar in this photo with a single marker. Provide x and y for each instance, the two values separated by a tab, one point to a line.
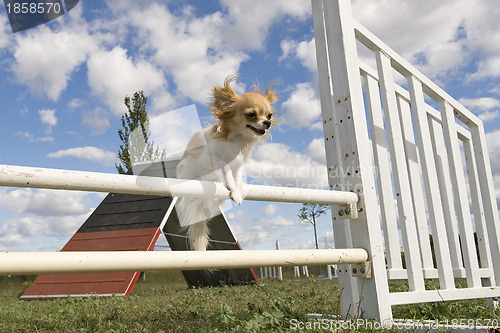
22	263
18	176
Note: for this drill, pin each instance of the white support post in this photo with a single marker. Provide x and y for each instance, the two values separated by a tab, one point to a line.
400	172
478	209
430	179
384	182
413	165
328	267
280	270
349	160
446	193
341	228
488	194
460	194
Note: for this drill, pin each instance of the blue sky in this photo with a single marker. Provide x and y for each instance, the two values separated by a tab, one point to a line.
64	83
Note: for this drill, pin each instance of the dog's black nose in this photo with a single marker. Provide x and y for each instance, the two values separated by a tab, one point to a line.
267	124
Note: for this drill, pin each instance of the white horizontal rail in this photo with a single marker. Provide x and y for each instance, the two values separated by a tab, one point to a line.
18	176
22	263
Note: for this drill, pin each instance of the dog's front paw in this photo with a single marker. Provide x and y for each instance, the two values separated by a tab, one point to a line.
236	196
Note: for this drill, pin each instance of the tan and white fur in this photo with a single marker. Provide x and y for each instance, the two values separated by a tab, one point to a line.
218	153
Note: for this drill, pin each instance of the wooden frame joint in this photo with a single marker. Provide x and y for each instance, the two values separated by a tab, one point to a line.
350	211
363	270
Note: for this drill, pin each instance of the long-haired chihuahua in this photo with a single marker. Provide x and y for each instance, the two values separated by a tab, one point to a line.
218	153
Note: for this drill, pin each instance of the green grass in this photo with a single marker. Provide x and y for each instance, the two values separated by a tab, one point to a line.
163	303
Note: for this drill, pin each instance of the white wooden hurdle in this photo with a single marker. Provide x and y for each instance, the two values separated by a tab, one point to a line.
77	262
20	263
384	143
19	176
387	144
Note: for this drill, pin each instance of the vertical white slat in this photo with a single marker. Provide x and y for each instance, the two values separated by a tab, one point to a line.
354	153
430	179
400	174
341	228
383	169
446	193
460	195
413	165
488	195
477	206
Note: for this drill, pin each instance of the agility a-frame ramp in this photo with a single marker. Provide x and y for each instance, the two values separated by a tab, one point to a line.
131	222
403	141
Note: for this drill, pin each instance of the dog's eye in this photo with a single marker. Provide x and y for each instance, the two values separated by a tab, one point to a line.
269	116
251	115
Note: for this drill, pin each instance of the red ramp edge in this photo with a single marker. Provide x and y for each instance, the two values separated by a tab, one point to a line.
96	284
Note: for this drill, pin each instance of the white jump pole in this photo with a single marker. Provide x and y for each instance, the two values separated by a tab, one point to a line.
17	176
23	263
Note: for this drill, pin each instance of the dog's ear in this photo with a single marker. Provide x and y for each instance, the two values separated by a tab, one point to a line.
270	95
223	97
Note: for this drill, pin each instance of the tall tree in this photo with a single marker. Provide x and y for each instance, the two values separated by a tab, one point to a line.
309	213
135	135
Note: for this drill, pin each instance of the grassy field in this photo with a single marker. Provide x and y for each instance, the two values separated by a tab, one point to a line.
163	303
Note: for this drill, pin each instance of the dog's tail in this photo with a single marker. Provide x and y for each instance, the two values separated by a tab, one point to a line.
198	235
193	216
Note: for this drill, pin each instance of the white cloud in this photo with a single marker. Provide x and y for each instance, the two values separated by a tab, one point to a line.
6	35
172	130
424	28
45	59
97	120
199	52
48	118
302	108
493	143
483	103
278	164
64	225
113	74
254	230
76	103
279	221
304	51
249	20
270	210
316	150
195	52
487	108
33	213
9	241
103	157
190	49
489	115
496	182
32	138
24	233
251	235
440	47
483	36
45	202
24	111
